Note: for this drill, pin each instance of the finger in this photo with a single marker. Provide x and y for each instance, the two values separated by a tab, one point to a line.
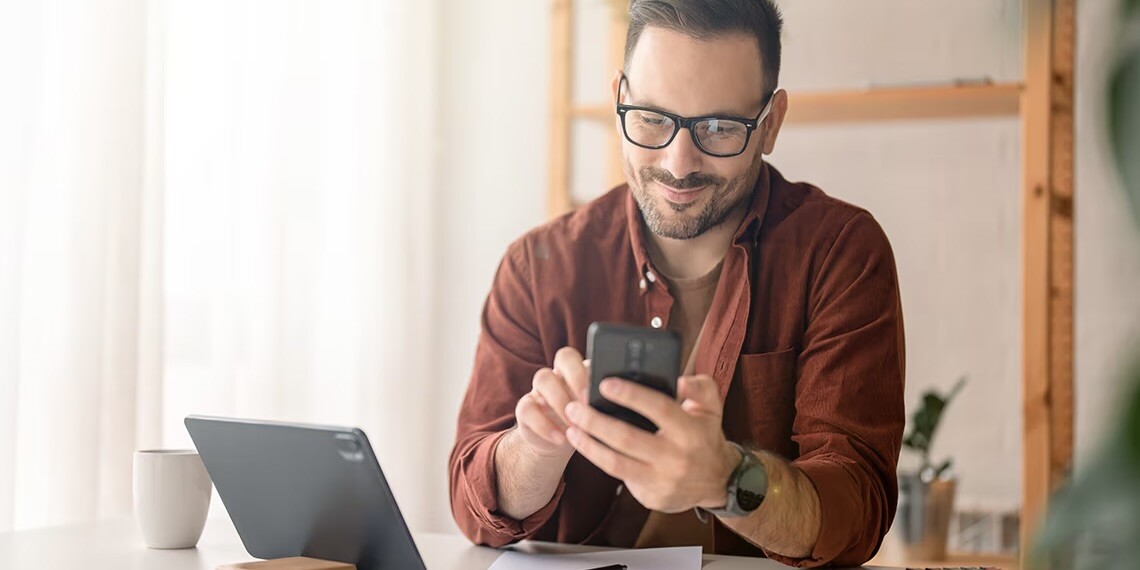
530	416
659	408
622	437
553	391
699	393
584	394
569	364
550	413
692	407
613	463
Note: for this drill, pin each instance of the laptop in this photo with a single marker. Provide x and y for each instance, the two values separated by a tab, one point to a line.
305	490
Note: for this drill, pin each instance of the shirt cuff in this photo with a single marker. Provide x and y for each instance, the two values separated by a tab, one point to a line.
840	513
483	497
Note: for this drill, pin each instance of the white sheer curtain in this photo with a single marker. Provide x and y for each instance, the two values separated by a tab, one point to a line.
73	326
221	207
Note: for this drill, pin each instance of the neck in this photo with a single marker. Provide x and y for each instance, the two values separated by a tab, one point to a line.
691	258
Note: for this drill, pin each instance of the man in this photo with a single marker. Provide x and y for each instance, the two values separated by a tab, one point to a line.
785	433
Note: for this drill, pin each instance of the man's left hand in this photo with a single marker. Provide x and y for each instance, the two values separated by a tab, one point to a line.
685	464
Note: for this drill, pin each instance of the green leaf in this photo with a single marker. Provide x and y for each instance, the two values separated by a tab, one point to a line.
1124	120
1130	437
938	471
1102	504
924	421
961	383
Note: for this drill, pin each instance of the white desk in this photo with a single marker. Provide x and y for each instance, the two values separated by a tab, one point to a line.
118	546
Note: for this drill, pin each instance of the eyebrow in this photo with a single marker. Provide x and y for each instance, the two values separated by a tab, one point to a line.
716	113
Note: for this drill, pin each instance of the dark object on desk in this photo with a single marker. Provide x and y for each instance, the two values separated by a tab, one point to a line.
611	567
650	357
302	490
954	568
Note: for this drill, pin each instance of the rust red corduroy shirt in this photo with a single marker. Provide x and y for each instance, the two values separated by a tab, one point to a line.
804	337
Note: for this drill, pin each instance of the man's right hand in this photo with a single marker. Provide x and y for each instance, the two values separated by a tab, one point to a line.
530	459
541	413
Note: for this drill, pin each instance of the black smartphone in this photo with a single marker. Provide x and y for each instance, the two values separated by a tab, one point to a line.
650	357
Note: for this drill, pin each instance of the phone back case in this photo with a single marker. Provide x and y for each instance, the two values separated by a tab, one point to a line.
650	357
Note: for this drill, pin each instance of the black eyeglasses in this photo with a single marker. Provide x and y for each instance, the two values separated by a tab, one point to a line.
654	129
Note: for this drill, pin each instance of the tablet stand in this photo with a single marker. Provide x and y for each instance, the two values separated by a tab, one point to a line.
294	563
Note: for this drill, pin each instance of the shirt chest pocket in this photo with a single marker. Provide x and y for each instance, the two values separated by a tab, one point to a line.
762	408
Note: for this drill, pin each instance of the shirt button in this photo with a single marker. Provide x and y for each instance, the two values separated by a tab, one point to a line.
656	322
650	276
642	284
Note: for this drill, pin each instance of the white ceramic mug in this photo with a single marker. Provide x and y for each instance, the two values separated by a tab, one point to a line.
172	497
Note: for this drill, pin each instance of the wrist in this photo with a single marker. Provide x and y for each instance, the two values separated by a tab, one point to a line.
534	455
729	460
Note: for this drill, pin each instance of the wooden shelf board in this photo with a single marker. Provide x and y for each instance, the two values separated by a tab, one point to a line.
593	112
993	100
887	104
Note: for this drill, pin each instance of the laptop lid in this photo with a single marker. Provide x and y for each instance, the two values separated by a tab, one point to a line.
305	490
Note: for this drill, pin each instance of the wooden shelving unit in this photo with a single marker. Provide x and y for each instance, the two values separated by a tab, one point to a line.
902	103
1043	101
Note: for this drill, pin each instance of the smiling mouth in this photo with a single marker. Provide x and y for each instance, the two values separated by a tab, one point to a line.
678	196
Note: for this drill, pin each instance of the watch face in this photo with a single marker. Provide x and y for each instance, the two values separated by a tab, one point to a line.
752	486
747	500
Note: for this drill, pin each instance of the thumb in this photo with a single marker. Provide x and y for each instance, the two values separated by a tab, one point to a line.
699	393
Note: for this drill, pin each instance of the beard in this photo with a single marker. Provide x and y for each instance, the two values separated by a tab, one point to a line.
687	221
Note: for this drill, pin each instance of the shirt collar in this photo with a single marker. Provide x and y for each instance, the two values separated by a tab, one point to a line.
748	232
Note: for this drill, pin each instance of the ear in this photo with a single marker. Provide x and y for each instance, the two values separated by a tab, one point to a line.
616	84
771	126
615	87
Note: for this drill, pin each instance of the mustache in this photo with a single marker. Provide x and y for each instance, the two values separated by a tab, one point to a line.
694	180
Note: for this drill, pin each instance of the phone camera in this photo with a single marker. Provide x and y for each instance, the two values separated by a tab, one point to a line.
633	354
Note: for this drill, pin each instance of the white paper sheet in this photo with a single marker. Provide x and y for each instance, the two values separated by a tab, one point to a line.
679	558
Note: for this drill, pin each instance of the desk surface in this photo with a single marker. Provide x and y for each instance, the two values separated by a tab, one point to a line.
117	546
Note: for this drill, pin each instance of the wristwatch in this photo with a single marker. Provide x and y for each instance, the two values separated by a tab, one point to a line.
746	486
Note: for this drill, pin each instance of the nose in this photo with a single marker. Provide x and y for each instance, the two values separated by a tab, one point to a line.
682	157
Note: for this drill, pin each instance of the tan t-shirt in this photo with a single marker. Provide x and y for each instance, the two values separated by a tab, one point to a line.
691	301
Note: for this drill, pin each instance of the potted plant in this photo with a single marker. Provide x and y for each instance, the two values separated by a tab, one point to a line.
926	496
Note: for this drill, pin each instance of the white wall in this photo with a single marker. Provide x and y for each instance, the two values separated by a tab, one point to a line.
947	193
493	177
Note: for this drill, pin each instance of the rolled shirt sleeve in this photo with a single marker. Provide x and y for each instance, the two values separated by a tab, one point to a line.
508	354
849	395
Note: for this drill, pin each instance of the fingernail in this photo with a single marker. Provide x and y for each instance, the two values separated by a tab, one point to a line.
572	410
573	434
609	386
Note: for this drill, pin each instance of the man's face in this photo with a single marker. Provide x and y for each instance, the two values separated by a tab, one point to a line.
681	191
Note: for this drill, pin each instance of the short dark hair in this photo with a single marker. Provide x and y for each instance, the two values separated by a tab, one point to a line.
703	19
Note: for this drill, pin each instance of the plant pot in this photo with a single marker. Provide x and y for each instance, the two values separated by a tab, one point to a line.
923	517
